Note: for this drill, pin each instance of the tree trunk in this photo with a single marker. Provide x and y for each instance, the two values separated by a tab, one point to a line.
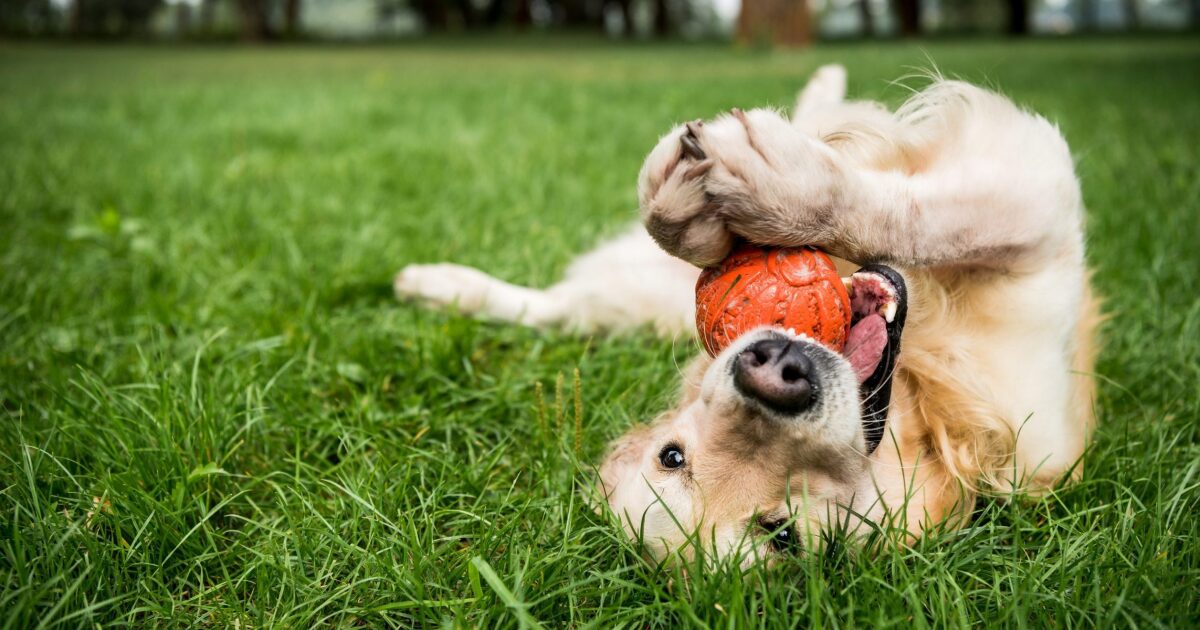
1132	19
255	24
495	13
1018	17
662	18
749	21
291	18
75	19
575	13
183	20
523	14
780	22
470	18
433	14
908	13
1089	15
625	6
208	12
868	20
795	23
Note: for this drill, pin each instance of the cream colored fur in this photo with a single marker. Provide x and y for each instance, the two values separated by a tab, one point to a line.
973	199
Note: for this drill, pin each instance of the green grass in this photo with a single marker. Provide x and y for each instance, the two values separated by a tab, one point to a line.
197	333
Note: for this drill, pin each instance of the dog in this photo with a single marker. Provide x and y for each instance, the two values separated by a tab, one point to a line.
967	216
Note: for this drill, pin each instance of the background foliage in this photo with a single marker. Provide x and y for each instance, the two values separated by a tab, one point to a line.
754	22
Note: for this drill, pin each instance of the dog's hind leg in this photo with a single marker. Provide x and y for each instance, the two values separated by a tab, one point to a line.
826	88
624	283
474	292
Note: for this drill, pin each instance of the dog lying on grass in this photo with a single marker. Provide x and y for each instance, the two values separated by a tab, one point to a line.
975	206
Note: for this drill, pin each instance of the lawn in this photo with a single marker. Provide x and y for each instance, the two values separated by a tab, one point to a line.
215	414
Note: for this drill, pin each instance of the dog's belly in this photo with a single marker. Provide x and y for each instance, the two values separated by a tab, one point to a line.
1020	331
649	285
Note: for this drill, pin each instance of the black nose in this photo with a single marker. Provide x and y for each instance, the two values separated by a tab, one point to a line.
777	373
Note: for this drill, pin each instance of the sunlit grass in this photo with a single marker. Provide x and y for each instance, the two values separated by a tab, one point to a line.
214	413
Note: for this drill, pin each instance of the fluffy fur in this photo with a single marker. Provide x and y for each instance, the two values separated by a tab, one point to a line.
973	199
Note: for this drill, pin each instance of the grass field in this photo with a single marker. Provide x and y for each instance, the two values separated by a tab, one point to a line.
214	413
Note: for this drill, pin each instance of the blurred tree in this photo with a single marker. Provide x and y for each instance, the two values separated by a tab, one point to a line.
75	18
291	18
183	19
134	15
208	16
662	18
503	12
449	15
523	14
254	16
433	14
1089	15
1018	17
27	17
908	14
868	21
443	15
623	10
580	14
106	18
1132	20
780	22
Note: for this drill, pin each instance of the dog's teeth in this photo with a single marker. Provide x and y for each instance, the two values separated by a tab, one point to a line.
849	284
889	311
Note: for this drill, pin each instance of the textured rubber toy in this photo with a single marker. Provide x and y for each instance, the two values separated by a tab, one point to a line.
795	288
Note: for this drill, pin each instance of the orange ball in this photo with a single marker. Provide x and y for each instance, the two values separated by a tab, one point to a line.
792	287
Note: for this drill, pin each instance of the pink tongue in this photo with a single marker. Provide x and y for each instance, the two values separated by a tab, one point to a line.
865	344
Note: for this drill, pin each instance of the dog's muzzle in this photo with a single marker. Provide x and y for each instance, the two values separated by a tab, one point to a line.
777	373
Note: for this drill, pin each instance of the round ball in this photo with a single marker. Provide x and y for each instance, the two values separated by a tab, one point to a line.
797	288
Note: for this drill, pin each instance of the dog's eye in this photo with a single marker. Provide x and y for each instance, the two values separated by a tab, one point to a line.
671	457
782	536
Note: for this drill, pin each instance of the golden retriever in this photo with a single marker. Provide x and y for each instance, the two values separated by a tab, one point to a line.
968	216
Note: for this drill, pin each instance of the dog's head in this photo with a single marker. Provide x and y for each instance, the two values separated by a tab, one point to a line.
772	440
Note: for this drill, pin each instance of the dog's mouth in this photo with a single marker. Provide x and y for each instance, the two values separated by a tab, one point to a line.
879	306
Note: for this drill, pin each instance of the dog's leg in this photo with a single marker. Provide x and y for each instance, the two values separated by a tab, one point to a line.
823	112
826	88
978	183
474	292
626	282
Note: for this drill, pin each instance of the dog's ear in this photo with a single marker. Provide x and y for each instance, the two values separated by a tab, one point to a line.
623	456
626	452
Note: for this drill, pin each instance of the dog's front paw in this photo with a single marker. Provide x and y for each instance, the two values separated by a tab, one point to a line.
676	209
443	285
749	174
